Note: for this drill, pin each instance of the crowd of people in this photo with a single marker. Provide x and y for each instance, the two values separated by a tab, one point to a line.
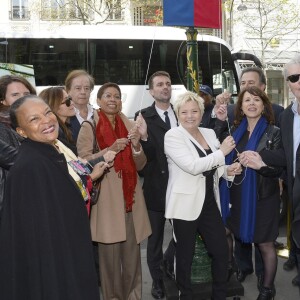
209	167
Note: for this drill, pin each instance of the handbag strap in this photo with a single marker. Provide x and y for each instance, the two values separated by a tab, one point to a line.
95	144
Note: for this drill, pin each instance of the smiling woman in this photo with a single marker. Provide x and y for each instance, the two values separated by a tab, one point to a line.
119	220
41	255
62	105
195	163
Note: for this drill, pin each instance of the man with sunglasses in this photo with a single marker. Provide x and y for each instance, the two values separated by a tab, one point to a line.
289	155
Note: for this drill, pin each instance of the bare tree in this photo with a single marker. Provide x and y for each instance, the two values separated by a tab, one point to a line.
269	26
90	11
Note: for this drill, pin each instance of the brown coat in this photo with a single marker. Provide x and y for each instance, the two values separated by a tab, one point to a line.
108	215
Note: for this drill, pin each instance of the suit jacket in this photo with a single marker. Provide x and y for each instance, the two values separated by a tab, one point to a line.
207	121
108	215
285	157
186	185
156	170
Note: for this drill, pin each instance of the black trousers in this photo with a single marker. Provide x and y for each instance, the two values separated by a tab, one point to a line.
211	228
155	254
243	257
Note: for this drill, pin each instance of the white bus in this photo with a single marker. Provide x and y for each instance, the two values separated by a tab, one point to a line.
127	55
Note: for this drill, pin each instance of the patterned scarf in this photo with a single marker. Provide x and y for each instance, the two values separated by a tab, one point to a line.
69	155
123	164
249	185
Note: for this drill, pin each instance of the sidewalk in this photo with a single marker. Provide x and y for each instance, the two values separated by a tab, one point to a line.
283	282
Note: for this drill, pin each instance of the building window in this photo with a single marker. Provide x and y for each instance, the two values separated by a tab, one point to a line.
19	10
59	10
115	10
138	16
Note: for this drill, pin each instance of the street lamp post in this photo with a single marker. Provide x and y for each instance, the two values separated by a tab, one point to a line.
240	7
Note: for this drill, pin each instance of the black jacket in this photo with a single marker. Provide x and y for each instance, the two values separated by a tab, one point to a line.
267	179
45	243
155	172
9	145
284	157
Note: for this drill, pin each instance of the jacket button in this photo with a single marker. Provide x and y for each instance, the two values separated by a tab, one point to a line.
163	172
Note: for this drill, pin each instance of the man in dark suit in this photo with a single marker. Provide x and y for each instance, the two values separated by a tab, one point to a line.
289	156
252	76
159	117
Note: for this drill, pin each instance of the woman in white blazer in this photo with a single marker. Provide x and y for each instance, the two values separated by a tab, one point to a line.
196	161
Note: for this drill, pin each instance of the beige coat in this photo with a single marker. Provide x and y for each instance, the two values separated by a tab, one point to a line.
108	215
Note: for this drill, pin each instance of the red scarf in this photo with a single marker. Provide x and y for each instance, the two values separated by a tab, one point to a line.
123	164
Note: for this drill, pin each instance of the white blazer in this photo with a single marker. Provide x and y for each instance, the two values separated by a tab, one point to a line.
186	186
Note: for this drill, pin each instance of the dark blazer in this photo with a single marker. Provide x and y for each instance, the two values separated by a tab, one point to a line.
75	127
207	121
45	239
284	157
155	172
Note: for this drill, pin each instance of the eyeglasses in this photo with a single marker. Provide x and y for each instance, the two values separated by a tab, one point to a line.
293	78
67	101
110	96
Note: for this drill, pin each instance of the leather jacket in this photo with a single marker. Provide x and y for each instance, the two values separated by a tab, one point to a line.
9	145
267	177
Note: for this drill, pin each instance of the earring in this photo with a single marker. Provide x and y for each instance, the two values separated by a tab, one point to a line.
263	112
242	113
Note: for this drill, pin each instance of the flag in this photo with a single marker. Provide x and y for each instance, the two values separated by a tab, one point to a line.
196	13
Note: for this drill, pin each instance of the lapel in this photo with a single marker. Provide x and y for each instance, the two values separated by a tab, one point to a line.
152	114
206	134
213	145
289	125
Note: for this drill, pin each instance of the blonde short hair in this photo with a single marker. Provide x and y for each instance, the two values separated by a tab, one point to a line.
187	97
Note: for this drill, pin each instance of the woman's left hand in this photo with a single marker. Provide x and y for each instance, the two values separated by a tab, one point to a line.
234	169
251	159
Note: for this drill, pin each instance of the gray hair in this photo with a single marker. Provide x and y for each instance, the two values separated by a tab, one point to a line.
187	97
294	61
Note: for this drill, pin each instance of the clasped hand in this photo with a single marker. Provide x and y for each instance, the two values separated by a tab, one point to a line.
251	159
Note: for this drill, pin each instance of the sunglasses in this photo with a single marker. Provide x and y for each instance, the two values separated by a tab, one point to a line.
67	101
293	78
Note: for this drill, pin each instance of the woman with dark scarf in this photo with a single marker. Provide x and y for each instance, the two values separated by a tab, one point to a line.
11	88
250	206
119	220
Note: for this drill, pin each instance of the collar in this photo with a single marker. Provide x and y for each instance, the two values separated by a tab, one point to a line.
89	116
295	106
161	111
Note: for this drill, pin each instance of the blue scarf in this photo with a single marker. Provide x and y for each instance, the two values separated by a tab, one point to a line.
249	185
